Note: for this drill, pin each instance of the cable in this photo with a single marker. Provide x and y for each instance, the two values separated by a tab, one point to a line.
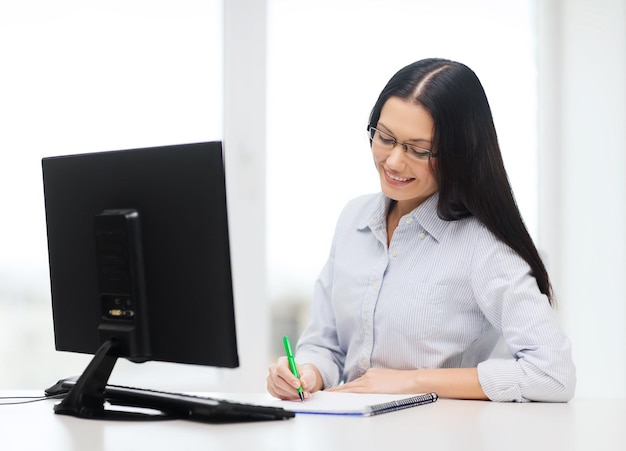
26	399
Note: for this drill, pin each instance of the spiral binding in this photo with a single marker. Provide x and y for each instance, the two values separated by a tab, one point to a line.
400	404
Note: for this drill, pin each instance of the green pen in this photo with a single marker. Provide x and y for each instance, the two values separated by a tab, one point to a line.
292	364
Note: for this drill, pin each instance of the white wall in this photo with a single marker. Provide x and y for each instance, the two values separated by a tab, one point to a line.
244	143
582	161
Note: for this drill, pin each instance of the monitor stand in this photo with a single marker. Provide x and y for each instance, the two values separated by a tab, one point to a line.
86	398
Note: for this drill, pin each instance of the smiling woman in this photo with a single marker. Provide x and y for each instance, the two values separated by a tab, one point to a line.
443	247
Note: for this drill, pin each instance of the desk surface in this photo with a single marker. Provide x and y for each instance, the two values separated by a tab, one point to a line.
583	424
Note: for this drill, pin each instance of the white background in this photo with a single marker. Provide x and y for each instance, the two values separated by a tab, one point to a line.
83	76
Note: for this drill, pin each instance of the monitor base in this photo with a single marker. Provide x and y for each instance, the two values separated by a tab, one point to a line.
86	398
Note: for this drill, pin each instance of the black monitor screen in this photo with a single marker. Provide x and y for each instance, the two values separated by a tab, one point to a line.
139	254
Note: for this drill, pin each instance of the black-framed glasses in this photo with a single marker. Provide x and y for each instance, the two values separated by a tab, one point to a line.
386	141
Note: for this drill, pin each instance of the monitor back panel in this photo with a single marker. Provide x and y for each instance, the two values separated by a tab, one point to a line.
179	192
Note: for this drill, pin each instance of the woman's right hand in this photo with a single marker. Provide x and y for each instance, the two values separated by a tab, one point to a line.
281	383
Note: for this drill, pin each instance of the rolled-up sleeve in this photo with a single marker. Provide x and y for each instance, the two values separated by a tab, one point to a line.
541	366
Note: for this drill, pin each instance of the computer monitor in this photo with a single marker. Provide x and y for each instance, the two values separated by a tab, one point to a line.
139	261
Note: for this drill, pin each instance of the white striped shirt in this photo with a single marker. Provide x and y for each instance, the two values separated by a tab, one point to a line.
439	296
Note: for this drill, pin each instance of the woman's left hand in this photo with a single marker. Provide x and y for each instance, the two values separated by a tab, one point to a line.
458	383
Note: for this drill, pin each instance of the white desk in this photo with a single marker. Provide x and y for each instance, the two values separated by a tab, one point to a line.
445	425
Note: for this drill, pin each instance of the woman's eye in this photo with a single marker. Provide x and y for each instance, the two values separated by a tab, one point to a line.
419	151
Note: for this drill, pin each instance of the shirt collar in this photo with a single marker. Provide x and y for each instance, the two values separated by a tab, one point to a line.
425	215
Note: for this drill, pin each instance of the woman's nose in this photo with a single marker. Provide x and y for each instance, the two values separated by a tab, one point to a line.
396	156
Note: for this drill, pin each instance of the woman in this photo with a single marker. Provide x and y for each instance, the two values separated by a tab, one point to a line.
426	276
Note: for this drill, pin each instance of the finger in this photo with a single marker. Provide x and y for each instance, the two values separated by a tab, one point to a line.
282	392
308	378
283	371
280	382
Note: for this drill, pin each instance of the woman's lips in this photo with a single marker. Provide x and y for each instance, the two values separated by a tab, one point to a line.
396	179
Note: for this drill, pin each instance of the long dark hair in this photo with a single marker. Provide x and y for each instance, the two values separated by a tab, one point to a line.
469	169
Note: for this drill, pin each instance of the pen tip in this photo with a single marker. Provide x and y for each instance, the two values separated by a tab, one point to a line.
301	396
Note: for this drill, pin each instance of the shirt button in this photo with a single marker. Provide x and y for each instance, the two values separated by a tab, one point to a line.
408	220
364	362
422	236
394	253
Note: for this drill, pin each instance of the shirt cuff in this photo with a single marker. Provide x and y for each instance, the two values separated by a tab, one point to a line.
518	380
499	380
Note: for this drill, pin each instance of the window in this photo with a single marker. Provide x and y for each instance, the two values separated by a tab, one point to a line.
80	77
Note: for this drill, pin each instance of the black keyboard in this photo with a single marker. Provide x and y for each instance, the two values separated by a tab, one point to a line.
190	407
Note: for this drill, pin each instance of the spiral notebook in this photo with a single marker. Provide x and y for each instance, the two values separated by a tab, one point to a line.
356	404
337	403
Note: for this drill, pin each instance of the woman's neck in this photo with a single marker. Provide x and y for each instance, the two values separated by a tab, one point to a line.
395	211
393	218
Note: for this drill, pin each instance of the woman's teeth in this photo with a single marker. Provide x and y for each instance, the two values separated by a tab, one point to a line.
396	178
